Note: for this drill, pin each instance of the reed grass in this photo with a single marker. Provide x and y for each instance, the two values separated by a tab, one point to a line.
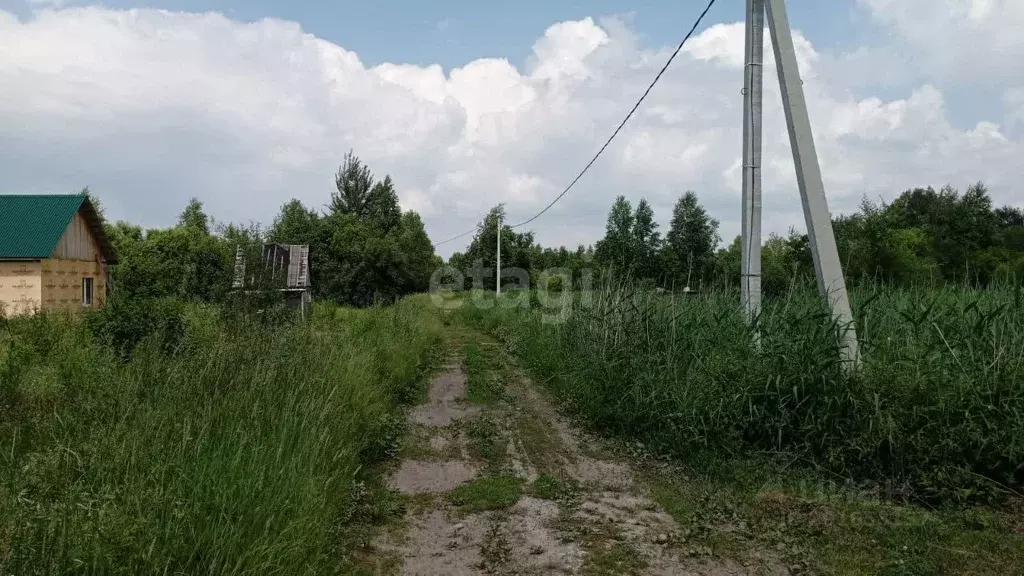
935	412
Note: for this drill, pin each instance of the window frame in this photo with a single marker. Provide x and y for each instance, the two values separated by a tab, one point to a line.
88	291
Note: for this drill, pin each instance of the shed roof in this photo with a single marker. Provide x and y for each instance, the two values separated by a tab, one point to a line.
31	225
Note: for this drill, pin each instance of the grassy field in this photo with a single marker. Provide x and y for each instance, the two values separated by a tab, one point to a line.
238	450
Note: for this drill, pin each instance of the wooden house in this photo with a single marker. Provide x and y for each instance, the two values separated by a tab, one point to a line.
54	254
284	267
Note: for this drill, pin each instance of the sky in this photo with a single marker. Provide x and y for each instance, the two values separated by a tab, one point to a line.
246	105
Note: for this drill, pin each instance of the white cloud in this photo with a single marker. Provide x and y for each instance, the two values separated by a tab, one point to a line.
957	41
150	107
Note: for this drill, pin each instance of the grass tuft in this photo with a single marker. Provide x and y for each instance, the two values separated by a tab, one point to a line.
483	384
614	559
487	493
550	488
485	443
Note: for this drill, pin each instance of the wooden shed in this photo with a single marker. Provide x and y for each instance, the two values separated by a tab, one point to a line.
54	254
285	268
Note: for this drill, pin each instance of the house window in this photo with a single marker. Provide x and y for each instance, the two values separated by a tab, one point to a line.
86	291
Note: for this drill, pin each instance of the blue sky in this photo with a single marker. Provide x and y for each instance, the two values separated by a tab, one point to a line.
455	32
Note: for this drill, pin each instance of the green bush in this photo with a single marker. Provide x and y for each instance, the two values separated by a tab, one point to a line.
125	322
555	284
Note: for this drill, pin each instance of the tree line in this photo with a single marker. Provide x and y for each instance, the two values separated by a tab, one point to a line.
363	248
924	236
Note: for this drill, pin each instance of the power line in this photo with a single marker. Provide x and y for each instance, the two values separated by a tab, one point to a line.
618	129
453	238
624	120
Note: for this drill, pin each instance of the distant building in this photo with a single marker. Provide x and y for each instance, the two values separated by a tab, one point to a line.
54	254
285	268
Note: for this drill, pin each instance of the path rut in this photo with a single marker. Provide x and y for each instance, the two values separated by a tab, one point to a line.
576	511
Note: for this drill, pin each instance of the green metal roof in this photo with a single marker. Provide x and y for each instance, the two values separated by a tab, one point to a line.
31	225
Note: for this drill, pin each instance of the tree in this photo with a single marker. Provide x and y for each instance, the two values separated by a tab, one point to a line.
517	248
184	262
364	250
194	217
381	208
618	247
1010	217
295	224
690	243
418	260
353	182
727	264
957	228
94	200
1011	231
647	242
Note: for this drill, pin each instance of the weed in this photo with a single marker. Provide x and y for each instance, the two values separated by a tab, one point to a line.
418	503
542	445
385	438
433	444
731	506
551	488
495	549
487	493
870	472
485	443
483	385
615	559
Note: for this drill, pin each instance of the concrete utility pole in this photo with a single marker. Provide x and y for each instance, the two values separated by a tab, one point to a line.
750	274
827	267
497	281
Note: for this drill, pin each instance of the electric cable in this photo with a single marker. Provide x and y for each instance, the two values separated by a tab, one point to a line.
624	120
618	129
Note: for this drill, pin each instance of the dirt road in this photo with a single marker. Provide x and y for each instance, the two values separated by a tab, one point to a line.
496	481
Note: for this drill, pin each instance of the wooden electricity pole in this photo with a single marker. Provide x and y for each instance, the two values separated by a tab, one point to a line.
827	267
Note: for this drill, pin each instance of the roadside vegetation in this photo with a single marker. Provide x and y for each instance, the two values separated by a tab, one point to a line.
933	412
228	447
187	429
932	419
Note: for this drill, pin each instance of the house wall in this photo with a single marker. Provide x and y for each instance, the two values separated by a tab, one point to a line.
20	287
75	257
62	284
77	243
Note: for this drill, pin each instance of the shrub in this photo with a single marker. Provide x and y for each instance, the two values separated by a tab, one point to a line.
124	323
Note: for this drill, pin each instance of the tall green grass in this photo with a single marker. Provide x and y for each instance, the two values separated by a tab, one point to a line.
936	411
235	453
